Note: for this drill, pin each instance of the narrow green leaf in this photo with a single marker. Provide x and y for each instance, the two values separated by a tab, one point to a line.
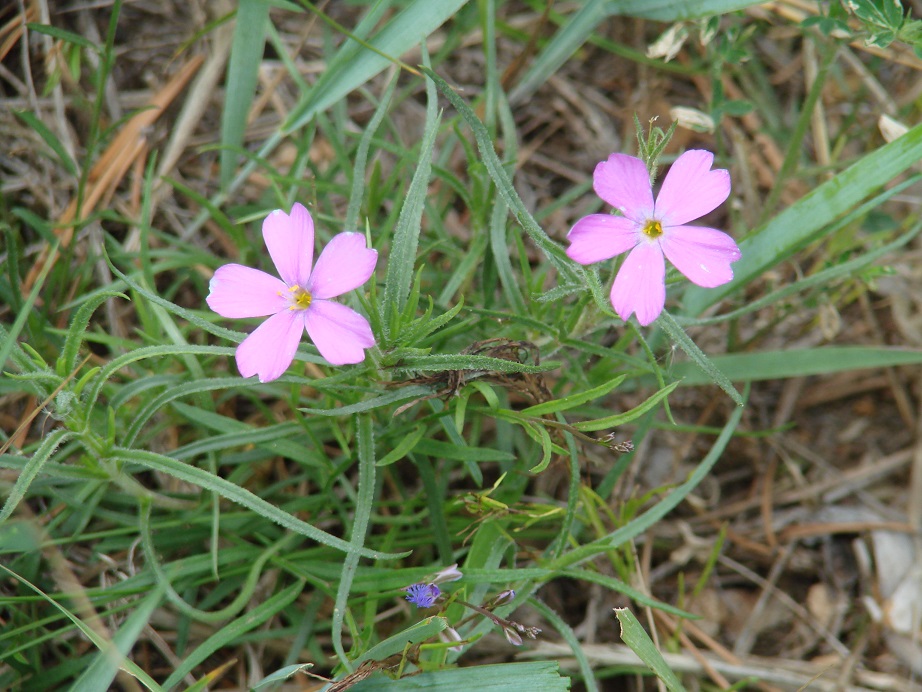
825	360
683	341
404	447
810	217
354	64
242	497
465	362
396	643
567	268
361	157
63	35
78	326
364	501
622	418
401	394
643	522
51	139
573	400
400	263
635	636
539	676
32	469
242	74
101	672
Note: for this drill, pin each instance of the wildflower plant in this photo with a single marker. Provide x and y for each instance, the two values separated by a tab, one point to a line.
443	440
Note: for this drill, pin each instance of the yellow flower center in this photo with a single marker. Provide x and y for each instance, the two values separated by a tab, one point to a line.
300	299
653	229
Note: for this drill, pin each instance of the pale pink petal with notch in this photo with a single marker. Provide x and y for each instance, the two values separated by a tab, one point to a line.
269	350
624	182
238	291
701	254
344	264
290	241
691	189
339	332
640	287
600	237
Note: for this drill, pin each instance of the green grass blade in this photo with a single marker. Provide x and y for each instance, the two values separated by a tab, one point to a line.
365	497
635	636
32	469
102	671
626	417
354	65
683	341
574	400
241	496
808	218
402	257
50	139
540	676
825	360
233	630
242	74
660	509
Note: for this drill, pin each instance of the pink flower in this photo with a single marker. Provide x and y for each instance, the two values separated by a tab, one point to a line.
300	299
650	230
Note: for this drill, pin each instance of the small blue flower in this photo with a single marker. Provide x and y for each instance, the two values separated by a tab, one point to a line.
423	595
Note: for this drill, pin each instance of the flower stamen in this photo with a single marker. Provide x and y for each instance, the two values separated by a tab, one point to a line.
653	229
300	299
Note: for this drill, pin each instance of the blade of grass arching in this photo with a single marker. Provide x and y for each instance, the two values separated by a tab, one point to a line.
242	497
678	336
577	30
809	218
500	248
242	74
364	501
245	591
567	268
775	365
627	416
9	338
101	672
50	139
353	65
635	636
402	258
845	270
233	630
566	632
643	522
100	643
31	470
361	156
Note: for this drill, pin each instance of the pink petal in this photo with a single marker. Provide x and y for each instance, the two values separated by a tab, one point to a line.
345	264
269	350
702	254
640	286
624	182
238	291
339	333
290	239
691	189
600	237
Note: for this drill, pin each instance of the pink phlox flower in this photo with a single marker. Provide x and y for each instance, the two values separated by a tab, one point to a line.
300	300
651	230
